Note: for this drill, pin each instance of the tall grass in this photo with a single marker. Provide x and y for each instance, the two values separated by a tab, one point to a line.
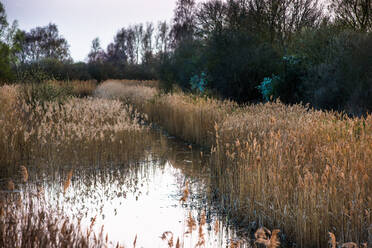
28	220
189	117
75	131
306	172
78	88
126	91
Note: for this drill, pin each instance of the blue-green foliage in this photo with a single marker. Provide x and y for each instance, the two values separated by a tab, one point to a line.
286	85
198	83
267	87
292	59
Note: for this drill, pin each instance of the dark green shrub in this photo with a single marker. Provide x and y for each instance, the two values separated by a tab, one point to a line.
343	80
288	84
236	63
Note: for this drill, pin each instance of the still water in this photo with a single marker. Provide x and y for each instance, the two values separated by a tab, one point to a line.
140	201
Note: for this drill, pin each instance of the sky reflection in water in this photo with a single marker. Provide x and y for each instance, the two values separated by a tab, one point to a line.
142	201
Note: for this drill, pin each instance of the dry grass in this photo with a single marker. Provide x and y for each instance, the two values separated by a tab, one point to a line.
77	131
27	221
78	88
146	83
126	91
309	171
301	170
189	117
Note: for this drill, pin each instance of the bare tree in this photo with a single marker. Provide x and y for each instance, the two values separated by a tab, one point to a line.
355	14
147	42
162	37
210	17
138	36
96	54
131	46
184	20
120	46
44	42
281	18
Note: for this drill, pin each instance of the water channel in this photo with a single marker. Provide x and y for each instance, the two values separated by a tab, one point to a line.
141	200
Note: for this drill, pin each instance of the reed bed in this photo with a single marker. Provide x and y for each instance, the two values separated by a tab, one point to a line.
128	82
189	117
78	88
126	91
27	219
29	224
306	172
77	131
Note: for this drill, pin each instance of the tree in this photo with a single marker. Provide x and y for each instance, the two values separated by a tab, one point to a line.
184	21
3	21
210	18
44	43
138	36
354	14
147	43
131	45
96	54
5	68
162	37
279	20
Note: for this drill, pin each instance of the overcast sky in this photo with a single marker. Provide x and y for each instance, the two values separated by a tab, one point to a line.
80	21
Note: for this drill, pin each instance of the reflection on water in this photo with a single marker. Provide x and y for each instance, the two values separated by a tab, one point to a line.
140	203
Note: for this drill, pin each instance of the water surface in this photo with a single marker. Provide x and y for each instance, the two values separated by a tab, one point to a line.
140	201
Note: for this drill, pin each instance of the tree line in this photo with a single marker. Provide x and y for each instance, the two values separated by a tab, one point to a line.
309	51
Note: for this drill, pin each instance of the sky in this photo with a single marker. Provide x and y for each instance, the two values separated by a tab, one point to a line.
80	21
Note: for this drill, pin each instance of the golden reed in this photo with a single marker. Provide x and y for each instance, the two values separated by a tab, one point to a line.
298	169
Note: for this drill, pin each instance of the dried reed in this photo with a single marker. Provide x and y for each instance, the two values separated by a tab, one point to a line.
308	171
32	224
67	182
78	131
11	186
24	174
186	192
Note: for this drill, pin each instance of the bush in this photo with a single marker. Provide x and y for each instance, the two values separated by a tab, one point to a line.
6	74
39	94
237	62
343	81
288	85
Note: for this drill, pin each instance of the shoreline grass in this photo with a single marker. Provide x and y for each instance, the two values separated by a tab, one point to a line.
304	171
76	130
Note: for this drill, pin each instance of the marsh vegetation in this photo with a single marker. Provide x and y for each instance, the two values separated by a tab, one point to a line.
94	171
304	171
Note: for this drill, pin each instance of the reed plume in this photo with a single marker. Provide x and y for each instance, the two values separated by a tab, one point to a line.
168	236
190	224
273	242
11	186
24	174
135	242
216	227
178	245
67	182
332	240
263	233
186	192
